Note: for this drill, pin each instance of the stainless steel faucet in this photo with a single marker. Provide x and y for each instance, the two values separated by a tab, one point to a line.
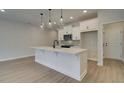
56	42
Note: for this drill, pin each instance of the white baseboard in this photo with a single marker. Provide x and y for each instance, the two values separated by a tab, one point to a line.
93	59
13	58
121	59
99	64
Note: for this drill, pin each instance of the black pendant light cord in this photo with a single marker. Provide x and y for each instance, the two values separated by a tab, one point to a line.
50	15
61	18
61	14
41	18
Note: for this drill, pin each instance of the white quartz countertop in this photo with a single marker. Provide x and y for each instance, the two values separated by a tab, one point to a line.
63	50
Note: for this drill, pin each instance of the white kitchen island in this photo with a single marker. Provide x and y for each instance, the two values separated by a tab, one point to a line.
69	61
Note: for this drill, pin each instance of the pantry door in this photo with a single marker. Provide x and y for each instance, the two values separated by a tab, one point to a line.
113	41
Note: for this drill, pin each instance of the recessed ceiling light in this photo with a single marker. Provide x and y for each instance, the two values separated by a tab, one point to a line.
54	22
2	10
85	11
71	17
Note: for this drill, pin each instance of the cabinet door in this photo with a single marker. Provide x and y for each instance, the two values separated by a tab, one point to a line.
60	34
76	33
83	26
89	25
93	24
68	29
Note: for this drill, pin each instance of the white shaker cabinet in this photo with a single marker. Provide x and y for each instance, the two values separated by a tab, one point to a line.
68	29
69	61
76	33
89	25
85	26
60	34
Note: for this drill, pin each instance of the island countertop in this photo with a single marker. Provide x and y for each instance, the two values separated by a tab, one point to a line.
63	50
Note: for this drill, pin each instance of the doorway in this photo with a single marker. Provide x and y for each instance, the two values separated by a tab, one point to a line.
89	41
113	40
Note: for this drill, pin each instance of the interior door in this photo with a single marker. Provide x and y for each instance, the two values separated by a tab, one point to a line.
113	41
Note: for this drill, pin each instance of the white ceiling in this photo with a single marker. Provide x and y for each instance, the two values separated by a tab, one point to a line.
32	16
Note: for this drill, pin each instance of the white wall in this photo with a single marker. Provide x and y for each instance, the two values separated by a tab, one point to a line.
52	35
107	16
123	43
111	15
17	38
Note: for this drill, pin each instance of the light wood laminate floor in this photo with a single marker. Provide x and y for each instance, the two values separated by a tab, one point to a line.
26	70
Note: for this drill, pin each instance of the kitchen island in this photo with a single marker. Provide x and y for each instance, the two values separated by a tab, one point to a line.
69	61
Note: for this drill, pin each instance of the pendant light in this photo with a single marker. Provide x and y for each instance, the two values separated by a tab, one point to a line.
41	20
50	16
61	18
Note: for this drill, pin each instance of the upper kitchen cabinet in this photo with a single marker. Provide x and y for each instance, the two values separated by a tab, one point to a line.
89	25
76	33
60	34
68	29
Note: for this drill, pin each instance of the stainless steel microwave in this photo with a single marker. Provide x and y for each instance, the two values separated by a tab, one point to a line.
67	37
